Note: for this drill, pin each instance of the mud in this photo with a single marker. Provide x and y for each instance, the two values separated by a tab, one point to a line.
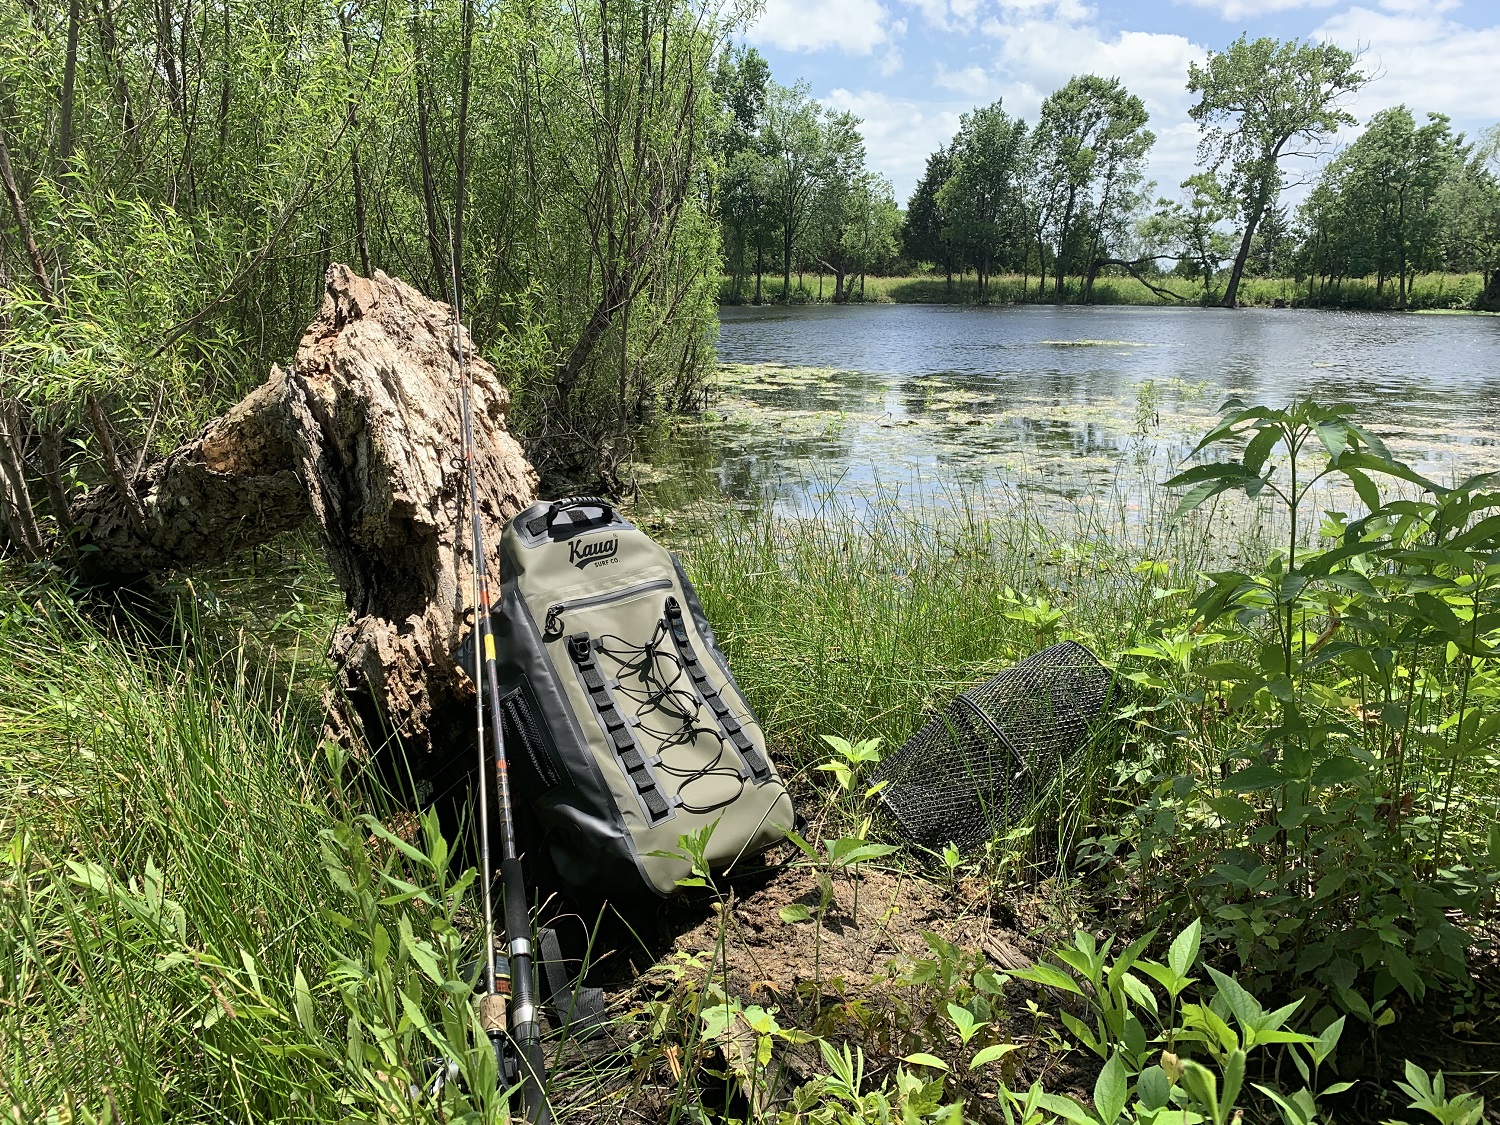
872	919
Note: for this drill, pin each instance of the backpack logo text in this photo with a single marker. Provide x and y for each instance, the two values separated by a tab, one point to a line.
600	550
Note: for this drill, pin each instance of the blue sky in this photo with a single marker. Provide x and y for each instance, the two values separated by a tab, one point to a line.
910	67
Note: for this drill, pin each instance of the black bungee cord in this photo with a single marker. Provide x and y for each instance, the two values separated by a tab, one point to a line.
662	696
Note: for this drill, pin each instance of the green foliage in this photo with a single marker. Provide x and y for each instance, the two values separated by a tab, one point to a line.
1226	1025
197	921
1346	712
186	179
980	198
1089	151
1257	100
1430	1094
1381	207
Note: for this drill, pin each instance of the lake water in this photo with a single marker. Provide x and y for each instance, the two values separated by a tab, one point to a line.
1071	401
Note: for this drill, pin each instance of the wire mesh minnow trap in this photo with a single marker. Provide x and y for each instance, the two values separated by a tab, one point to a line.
981	764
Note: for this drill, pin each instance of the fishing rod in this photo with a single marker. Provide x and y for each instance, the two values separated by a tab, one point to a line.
525	1027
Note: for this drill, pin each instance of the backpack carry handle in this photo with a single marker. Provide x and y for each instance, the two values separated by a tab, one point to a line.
543	523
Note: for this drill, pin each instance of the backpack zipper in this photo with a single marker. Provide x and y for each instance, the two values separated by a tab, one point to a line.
553	626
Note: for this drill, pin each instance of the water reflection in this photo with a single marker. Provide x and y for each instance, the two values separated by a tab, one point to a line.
1061	397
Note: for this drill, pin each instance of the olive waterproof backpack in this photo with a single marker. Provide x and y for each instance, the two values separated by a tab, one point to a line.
623	723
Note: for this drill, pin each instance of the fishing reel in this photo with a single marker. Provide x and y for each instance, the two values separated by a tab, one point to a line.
493	1012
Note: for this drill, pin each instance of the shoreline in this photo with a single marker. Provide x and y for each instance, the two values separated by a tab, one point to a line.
1430	293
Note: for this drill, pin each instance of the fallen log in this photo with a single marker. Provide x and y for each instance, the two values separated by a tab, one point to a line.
361	435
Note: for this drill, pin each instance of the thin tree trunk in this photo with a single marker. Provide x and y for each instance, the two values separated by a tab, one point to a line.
1491	295
18	212
115	70
57	492
65	110
786	264
460	194
429	190
228	72
166	52
13	464
1232	290
124	486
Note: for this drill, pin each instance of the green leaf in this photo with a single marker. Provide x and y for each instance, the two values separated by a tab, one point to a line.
802	845
1049	975
380	945
1387	467
1203	1086
1232	809
1082	1032
1354	582
302	1004
853	850
420	952
1364	488
1252	779
1258	448
1335	438
964	1021
1111	1090
1324	1047
796	912
1234	1078
416	855
1338	770
922	1058
1229	670
991	1053
1153	1088
1184	949
1066	1108
1200	494
1137	990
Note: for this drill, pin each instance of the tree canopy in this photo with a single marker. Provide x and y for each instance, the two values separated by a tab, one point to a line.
1259	102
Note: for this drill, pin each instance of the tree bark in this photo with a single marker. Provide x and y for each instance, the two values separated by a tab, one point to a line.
65	110
1491	297
1252	220
361	435
23	223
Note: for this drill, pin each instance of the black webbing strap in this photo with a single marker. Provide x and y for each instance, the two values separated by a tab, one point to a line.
576	1007
581	649
730	725
540	525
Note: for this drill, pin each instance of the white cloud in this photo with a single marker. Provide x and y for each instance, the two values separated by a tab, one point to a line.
1037	46
974	81
899	132
1234	10
1422	59
1028	48
855	27
1036	56
1431	7
949	15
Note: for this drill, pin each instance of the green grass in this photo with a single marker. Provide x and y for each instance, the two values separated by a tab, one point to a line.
187	899
855	624
193	894
184	780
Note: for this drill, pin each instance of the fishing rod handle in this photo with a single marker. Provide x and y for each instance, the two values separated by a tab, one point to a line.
525	1016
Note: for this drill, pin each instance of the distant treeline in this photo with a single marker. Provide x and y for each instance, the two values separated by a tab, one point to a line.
1063	201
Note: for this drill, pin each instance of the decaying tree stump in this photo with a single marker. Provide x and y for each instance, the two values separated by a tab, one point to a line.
362	435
